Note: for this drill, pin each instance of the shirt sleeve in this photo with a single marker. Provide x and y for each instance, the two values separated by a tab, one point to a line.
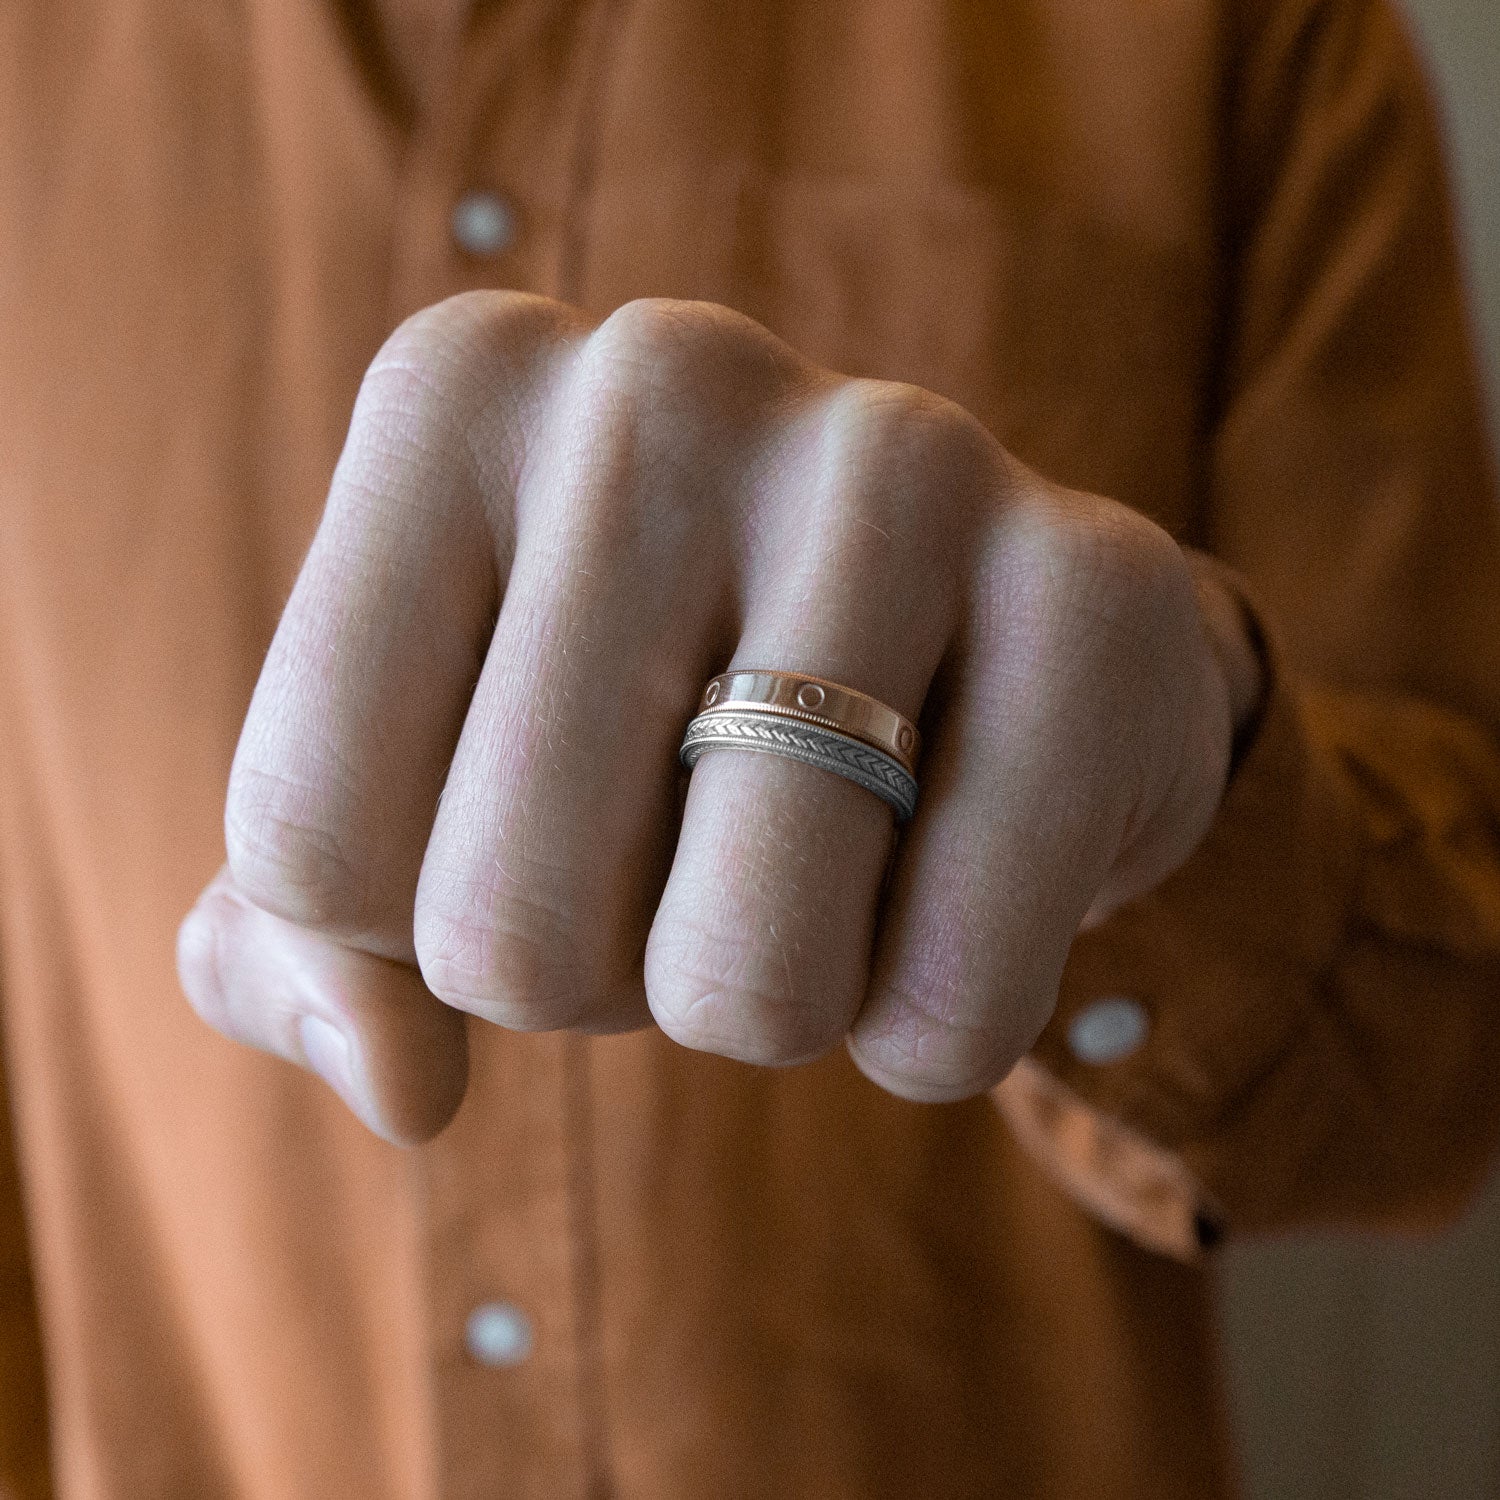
1321	980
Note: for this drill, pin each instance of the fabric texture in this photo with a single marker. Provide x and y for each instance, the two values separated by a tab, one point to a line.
1194	256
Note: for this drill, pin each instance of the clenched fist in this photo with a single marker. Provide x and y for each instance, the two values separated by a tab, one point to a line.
458	789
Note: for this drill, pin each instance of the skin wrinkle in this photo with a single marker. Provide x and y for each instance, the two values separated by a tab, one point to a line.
326	744
506	388
1065	603
501	951
539	721
725	991
291	856
918	1034
771	863
939	962
696	468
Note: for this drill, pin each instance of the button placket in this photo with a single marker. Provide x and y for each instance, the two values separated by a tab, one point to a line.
512	1320
498	1231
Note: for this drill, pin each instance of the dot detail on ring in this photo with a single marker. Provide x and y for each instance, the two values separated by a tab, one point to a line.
813	700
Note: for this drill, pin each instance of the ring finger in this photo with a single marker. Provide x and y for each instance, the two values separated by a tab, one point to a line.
761	945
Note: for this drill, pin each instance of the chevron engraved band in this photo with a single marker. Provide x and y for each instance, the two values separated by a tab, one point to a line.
815	700
812	744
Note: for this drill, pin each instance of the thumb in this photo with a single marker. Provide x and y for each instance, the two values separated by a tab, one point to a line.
393	1052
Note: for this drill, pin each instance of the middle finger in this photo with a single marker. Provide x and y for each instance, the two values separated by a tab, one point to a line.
555	826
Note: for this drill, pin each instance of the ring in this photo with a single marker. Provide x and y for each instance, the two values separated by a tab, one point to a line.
815	700
759	710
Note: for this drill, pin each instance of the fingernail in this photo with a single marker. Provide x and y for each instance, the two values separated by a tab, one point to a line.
331	1057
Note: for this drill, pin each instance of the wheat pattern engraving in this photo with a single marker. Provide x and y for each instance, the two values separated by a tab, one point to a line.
809	743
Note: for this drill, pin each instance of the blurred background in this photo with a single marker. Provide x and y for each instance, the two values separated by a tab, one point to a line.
1361	1371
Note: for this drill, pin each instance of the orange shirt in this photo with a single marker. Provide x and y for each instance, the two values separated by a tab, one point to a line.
1191	255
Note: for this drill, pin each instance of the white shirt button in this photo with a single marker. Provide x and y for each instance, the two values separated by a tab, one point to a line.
498	1334
483	223
1108	1030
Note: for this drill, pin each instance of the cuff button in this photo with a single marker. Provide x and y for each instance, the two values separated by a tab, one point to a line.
1108	1030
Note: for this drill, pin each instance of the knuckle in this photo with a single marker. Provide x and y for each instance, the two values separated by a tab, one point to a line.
904	428
655	393
1133	555
199	966
1109	591
464	336
211	955
1083	543
472	364
703	357
658	335
501	960
732	1009
887	442
930	1036
282	857
925	1055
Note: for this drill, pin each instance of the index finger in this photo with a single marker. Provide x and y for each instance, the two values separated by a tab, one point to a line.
359	704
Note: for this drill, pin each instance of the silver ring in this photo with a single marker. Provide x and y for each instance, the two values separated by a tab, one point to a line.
810	743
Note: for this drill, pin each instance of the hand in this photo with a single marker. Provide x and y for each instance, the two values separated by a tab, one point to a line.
457	786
